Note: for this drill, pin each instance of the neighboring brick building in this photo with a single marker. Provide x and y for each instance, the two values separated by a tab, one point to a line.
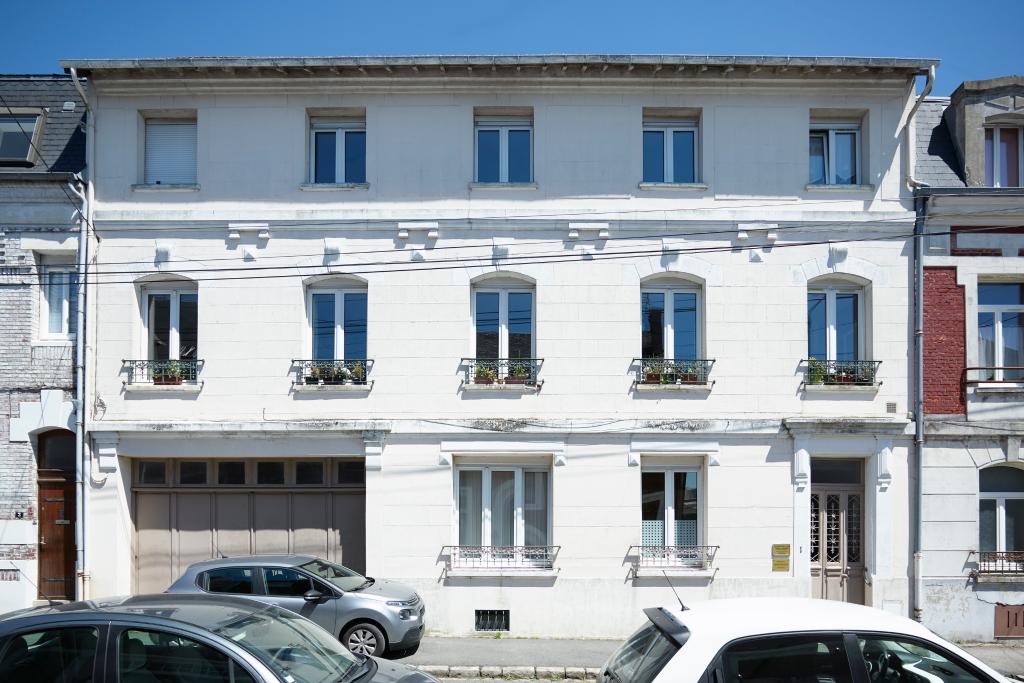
970	154
38	243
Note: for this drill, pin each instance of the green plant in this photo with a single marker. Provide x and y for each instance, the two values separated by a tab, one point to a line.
485	374
816	370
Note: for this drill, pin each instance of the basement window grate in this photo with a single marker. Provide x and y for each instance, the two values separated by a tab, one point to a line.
491	620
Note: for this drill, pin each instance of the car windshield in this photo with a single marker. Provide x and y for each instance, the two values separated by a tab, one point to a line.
297	649
640	658
342	577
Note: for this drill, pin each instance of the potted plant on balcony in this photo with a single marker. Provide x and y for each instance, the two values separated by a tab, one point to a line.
518	373
313	377
484	374
342	375
358	374
686	373
815	371
652	374
169	373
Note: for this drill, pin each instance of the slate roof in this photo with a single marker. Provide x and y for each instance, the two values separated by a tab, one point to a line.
62	146
936	161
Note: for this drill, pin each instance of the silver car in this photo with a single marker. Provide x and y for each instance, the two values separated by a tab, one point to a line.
370	616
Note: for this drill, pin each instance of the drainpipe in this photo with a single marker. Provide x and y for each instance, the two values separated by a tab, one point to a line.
912	182
920	214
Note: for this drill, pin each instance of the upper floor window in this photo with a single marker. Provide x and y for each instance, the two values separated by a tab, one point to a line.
670	322
1000	509
338	323
835	329
170	152
1004	156
171	320
59	301
504	148
504	322
1001	331
669	147
338	151
834	153
18	136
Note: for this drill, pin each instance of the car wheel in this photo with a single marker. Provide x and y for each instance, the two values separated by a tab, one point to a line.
364	639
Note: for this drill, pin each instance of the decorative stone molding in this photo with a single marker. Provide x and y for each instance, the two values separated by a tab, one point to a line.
50	412
105	449
801	468
884	470
373	443
683	265
839	262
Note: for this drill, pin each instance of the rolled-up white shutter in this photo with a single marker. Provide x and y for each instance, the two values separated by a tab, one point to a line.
170	153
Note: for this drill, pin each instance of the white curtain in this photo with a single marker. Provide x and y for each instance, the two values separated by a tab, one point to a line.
470	507
503	492
535	507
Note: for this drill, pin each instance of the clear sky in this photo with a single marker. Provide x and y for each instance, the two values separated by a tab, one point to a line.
974	40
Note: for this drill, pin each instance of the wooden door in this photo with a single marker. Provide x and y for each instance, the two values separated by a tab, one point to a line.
56	539
837	563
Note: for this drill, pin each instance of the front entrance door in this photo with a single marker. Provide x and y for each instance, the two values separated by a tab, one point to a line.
56	460
837	539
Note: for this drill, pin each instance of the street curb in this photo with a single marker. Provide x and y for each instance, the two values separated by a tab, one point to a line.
516	673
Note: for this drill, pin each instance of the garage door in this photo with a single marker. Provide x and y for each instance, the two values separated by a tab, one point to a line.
174	528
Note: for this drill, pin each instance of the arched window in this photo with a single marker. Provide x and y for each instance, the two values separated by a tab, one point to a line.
338	319
672	331
1001	509
504	339
836	317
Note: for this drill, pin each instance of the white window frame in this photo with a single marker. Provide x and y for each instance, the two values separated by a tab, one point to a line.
830	130
181	121
339	318
503	126
10	113
997	320
339	128
173	335
44	304
669	333
503	333
669	128
996	158
668	523
830	292
1000	498
519	501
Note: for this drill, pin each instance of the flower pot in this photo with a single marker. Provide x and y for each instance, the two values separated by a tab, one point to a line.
166	379
689	378
652	378
311	380
516	380
483	379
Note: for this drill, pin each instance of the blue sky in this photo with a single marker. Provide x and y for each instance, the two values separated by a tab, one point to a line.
973	40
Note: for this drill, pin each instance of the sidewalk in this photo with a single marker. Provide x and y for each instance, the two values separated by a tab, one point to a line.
550	658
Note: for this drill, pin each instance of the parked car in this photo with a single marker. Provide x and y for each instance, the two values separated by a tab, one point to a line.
370	616
769	640
171	638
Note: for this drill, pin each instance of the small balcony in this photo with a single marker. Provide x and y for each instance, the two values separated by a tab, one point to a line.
502	374
162	375
332	374
1000	567
651	560
664	374
503	560
841	374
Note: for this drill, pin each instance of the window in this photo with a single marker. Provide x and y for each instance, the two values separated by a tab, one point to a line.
170	152
231	473
814	657
888	658
238	580
673	335
670	151
60	302
1000	331
338	151
504	149
17	137
670	508
338	319
1004	157
351	473
269	472
67	655
309	473
286	582
835	154
145	655
834	323
504	323
641	658
1000	509
503	506
172	324
152	472
192	472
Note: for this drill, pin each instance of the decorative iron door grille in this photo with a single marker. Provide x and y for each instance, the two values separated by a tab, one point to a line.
837	543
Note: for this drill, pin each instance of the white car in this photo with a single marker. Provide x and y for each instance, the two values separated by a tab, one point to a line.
788	640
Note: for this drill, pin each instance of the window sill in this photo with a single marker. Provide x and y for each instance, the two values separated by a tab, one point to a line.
502	186
842	388
999	388
53	342
506	388
459	573
679	572
332	388
184	388
685	388
142	187
811	187
1009	577
674	187
333	187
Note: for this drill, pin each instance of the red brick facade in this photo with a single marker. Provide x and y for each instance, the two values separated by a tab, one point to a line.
945	353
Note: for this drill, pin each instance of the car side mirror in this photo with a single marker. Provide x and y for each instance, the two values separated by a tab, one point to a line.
313	595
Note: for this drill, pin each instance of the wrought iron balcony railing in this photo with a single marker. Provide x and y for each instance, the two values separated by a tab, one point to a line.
856	372
1009	563
672	556
502	370
332	372
668	371
162	372
500	557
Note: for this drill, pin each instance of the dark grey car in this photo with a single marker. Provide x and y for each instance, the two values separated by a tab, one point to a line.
178	638
369	616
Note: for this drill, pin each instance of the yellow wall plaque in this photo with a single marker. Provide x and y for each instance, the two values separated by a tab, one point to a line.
780	565
780	550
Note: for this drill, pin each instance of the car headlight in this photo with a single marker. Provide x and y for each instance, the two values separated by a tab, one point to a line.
405	614
402	603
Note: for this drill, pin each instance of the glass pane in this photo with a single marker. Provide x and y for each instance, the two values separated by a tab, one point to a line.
56	293
520	325
351	472
846	327
652	324
503	508
986	344
355	156
831	471
65	655
817	327
159	321
685	503
1013	346
846	158
683	156
684	325
323	326
1009	158
309	473
788	658
987	525
188	326
57	451
519	156
471	507
149	655
326	157
487	324
881	655
192	472
1014	524
654	156
15	136
1000	294
1001	479
355	325
152	472
270	473
488	145
286	582
642	657
989	158
535	507
72	302
231	473
652	508
819	165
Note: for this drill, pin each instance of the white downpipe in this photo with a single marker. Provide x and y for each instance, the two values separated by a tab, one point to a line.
913	182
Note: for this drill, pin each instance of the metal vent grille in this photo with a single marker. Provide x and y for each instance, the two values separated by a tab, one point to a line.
890	408
1009	621
491	620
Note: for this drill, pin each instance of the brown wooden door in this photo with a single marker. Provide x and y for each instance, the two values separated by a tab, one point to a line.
56	539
